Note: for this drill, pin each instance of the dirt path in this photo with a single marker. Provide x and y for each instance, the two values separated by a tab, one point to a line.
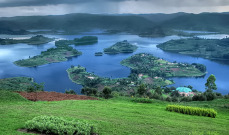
53	96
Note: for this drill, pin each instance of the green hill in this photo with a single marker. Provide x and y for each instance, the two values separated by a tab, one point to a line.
79	22
116	116
214	22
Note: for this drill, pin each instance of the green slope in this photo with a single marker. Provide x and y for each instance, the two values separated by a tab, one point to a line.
214	22
117	116
78	22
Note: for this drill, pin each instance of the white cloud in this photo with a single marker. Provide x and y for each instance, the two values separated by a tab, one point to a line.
120	6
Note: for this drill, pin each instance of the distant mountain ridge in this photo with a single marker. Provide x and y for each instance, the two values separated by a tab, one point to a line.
70	22
139	24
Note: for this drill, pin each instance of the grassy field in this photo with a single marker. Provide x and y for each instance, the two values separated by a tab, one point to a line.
115	116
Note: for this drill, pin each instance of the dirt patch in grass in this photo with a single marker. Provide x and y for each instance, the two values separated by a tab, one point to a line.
53	96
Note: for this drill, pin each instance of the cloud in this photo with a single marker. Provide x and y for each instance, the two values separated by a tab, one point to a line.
166	3
58	7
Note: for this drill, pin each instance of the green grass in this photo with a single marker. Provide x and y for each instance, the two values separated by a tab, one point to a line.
115	116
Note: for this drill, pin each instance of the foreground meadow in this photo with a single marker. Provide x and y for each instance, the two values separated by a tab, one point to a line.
115	116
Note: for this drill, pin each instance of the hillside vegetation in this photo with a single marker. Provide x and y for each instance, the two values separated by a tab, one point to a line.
73	23
206	48
214	22
115	116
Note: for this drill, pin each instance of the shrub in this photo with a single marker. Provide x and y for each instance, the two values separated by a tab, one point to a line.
156	96
107	92
186	99
192	110
89	91
142	100
59	126
35	87
115	94
168	99
199	97
70	92
210	96
226	96
175	99
141	89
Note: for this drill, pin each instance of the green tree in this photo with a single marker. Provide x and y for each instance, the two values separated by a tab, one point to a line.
158	90
107	92
210	84
89	91
142	89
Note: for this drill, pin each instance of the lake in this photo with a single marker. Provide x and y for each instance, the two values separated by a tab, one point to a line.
56	78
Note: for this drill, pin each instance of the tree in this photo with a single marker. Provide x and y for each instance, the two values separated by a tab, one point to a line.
158	90
106	92
210	84
142	89
89	91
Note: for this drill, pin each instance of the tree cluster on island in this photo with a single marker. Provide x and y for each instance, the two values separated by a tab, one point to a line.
61	53
214	49
86	40
121	47
35	40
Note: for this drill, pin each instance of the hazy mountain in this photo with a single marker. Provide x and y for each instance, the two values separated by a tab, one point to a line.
216	22
72	22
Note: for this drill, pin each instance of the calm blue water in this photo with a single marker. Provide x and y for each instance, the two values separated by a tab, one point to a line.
56	79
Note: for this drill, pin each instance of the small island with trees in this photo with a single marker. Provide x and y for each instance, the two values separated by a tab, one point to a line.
98	53
121	47
52	55
36	40
214	49
86	40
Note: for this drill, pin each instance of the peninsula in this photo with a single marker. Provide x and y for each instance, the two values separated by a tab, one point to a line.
147	64
145	68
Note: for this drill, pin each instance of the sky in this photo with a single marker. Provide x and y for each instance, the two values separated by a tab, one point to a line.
10	8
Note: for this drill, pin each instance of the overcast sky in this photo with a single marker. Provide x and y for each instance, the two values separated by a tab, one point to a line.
58	7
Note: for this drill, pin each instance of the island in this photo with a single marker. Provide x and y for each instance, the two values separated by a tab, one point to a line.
147	64
98	54
52	55
86	40
213	49
121	47
35	40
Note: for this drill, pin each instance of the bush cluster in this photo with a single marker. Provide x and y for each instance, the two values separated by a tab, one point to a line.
59	126
142	100
192	110
70	92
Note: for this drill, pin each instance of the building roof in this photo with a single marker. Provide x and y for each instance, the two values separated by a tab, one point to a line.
184	89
